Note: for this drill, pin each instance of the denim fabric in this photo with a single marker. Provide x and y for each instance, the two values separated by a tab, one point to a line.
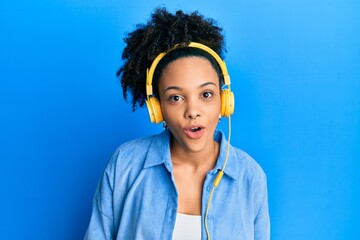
137	197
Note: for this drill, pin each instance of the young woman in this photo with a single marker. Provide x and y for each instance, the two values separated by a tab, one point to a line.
187	182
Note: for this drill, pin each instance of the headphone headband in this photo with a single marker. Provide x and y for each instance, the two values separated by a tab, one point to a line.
150	72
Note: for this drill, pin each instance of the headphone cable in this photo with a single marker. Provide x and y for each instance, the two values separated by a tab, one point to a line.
217	180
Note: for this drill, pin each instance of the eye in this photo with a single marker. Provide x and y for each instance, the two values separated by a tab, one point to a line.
175	98
207	94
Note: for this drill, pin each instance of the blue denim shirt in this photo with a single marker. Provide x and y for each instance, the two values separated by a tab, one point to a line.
137	197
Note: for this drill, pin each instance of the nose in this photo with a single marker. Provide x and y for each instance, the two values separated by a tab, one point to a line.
192	109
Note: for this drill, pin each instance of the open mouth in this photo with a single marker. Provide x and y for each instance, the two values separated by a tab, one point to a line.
195	129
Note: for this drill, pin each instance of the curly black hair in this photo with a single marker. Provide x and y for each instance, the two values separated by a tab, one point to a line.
158	35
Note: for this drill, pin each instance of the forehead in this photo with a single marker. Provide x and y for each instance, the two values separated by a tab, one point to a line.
189	70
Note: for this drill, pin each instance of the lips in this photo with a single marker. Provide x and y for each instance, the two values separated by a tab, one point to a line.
194	131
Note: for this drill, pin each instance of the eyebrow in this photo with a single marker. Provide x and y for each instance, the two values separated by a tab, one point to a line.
179	88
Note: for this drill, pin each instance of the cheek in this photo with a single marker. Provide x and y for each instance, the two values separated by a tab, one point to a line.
169	112
217	104
214	110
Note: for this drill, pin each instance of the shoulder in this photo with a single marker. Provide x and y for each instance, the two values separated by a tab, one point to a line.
252	176
135	147
240	165
249	164
129	157
133	152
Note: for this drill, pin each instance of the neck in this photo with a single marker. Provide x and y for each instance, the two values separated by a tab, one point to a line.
205	158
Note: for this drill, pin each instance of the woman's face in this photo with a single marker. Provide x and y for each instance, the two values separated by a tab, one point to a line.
189	92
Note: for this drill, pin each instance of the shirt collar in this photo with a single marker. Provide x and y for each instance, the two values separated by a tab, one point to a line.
161	144
159	151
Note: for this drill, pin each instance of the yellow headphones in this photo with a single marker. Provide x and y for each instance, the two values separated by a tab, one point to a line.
153	104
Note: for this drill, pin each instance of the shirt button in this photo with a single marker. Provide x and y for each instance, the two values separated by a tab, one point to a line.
208	188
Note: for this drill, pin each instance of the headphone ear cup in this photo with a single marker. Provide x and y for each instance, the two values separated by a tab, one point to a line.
227	103
154	109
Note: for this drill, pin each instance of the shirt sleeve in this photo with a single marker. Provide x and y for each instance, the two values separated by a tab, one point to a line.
101	224
262	219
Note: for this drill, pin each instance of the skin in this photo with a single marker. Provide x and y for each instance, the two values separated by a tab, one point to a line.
189	92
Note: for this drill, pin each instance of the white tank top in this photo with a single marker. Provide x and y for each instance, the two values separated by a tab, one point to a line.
187	227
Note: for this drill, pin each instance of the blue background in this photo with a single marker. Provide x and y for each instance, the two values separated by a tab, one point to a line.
295	68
